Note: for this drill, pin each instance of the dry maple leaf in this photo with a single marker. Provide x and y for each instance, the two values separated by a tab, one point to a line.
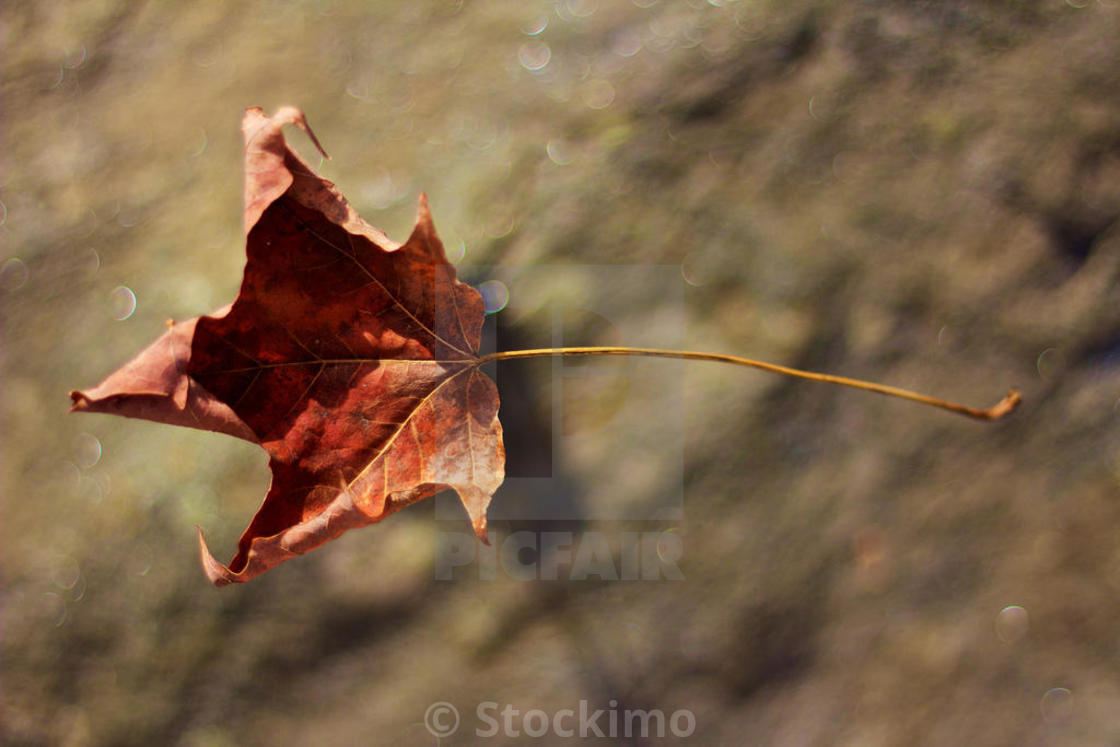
352	360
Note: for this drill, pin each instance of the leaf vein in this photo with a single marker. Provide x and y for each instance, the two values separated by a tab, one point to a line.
353	257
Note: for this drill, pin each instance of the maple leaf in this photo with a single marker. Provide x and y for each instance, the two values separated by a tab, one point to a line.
352	360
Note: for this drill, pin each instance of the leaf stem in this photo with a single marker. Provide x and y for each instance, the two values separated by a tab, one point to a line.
997	411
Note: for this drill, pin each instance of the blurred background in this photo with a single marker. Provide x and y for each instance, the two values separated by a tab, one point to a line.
925	194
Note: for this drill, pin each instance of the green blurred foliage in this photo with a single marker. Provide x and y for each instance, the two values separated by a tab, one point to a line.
922	193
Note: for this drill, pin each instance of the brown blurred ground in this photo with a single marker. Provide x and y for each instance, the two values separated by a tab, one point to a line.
925	194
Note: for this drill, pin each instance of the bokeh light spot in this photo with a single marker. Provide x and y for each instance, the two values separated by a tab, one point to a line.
73	474
13	274
74	60
359	89
122	302
1012	623
66	573
142	559
559	152
89	490
54	608
669	546
1047	362
580	8
598	94
535	26
495	295
87	450
499	225
814	108
626	43
693	270
534	56
198	143
455	251
1057	705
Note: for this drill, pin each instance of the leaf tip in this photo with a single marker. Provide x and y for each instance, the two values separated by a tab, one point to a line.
78	401
425	231
292	115
479	526
218	574
475	501
423	211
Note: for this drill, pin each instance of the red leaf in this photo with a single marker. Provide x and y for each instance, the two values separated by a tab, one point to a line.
352	360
